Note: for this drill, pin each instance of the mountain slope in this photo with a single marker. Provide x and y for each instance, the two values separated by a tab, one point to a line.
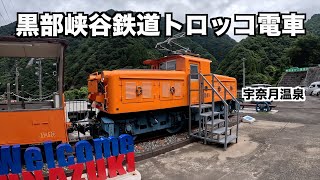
267	58
217	46
313	25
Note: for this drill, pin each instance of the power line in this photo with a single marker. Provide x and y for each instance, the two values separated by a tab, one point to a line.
13	7
4	21
6	11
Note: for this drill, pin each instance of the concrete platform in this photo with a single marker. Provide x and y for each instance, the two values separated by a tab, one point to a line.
135	175
284	145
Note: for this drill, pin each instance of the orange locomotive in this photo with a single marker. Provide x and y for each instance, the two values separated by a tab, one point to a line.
140	101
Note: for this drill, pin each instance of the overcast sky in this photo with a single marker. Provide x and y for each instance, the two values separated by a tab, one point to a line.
213	8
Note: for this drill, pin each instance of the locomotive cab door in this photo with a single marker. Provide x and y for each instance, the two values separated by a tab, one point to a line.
194	81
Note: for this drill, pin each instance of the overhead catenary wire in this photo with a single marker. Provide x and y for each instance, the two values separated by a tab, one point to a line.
13	7
4	20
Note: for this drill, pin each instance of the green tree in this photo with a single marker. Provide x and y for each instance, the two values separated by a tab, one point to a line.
74	94
305	51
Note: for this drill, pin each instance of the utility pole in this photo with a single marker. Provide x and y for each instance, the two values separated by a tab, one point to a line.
40	79
38	73
17	80
9	96
244	73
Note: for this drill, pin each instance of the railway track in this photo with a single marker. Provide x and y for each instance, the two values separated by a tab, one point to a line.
147	137
159	142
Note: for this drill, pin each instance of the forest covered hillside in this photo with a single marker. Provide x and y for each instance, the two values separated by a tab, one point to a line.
87	55
265	58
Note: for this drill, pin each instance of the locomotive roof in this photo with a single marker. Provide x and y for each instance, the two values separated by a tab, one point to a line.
11	46
171	57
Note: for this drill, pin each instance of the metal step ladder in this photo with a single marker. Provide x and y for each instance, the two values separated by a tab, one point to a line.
212	128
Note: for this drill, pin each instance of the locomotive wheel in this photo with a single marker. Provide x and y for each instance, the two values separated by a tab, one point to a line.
229	111
176	125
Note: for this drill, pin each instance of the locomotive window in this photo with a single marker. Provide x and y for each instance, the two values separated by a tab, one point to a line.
163	66
194	71
169	65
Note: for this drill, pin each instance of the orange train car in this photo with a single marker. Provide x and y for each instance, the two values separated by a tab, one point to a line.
140	101
25	122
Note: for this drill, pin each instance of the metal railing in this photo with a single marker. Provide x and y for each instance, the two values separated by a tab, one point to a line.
77	109
11	101
201	79
226	107
80	114
237	104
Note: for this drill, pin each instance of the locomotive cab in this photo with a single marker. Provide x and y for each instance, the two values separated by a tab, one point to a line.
188	64
191	65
